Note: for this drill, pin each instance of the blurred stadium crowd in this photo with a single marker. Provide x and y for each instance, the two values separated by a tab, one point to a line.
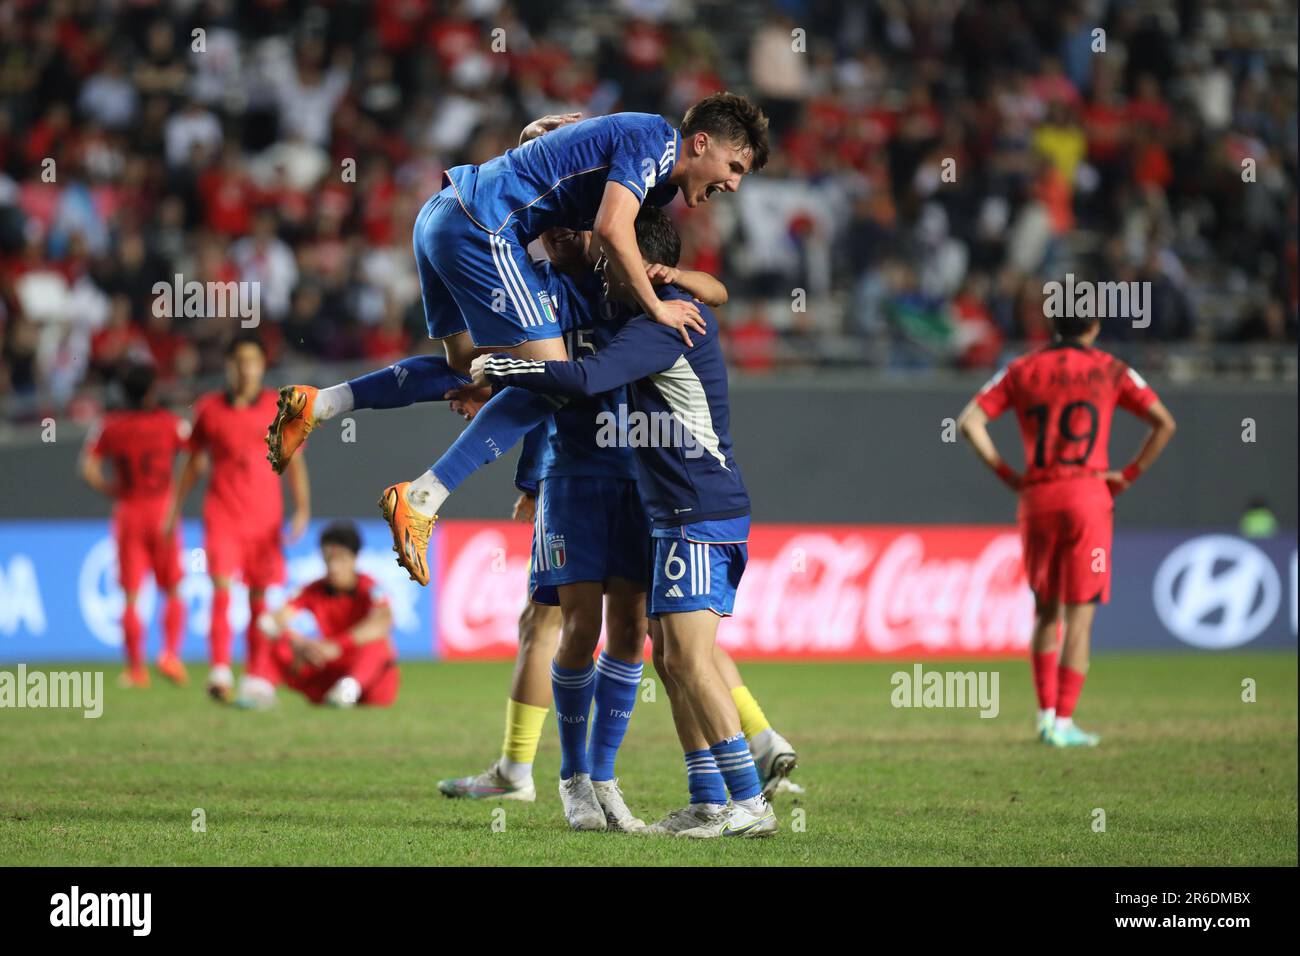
140	140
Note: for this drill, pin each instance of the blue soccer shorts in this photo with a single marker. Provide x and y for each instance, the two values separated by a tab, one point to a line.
474	281
697	567
586	529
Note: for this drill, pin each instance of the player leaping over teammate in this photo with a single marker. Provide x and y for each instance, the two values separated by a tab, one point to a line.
1065	397
590	535
481	291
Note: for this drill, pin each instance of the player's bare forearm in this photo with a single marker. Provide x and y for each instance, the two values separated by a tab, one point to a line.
544	124
973	423
617	233
299	485
375	626
699	284
92	473
1162	430
191	469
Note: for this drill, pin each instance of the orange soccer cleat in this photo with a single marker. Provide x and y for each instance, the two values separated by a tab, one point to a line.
135	676
170	666
410	529
293	423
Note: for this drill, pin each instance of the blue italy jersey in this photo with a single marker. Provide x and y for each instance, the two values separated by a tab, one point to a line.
677	416
558	179
572	445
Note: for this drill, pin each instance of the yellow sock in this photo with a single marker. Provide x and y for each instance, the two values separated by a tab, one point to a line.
523	731
752	719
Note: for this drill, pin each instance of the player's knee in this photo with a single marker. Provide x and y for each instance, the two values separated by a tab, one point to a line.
625	636
1047	612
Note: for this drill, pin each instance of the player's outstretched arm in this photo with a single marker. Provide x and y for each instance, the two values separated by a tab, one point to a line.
974	425
615	230
642	347
1163	427
699	284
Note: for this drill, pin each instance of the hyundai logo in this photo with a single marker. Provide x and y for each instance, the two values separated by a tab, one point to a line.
1217	591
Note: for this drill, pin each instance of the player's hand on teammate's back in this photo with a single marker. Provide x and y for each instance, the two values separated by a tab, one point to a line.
545	124
681	315
525	508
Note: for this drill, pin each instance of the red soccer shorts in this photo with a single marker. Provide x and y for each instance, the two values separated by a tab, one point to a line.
141	547
372	665
256	552
1066	529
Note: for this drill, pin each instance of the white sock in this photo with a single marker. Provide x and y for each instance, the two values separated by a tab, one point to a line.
514	772
426	494
332	401
761	741
1048	713
220	675
1064	723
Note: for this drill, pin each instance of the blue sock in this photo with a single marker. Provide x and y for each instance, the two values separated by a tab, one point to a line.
500	423
703	778
420	378
573	690
615	692
737	766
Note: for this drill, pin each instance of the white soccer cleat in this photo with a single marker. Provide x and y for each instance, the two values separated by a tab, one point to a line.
737	820
581	808
345	693
255	693
774	763
617	816
491	784
220	683
686	818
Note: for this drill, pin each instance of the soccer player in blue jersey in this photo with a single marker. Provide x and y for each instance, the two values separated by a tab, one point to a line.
482	292
678	420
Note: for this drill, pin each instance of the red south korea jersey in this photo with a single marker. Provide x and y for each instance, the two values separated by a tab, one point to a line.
242	489
142	446
337	612
1065	397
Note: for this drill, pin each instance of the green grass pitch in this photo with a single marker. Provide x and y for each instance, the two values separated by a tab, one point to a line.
1187	773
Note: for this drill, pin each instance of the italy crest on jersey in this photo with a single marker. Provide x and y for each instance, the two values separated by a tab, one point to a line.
547	308
555	550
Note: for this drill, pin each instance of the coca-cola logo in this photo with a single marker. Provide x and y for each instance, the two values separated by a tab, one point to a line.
855	593
825	593
483	589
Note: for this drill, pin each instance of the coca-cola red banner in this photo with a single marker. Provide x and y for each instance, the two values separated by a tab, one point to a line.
821	591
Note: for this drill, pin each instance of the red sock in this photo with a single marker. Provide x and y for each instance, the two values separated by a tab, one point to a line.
173	625
1071	685
1045	679
219	635
256	605
132	637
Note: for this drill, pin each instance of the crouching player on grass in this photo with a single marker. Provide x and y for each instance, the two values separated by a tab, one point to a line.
1064	397
353	662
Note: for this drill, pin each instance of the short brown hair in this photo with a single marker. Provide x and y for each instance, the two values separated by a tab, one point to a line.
732	118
